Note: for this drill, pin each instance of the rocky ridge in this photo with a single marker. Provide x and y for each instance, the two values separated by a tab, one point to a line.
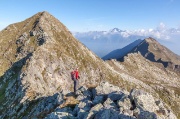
155	52
164	81
111	102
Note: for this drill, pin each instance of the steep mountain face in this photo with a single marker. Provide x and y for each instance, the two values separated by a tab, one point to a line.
155	52
37	56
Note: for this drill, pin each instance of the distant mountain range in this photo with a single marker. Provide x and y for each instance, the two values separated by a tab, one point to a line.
103	42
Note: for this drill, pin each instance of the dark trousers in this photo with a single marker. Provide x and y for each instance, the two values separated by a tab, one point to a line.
75	85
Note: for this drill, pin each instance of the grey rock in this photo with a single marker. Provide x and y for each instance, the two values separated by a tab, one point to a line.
128	112
147	115
109	104
171	115
33	33
136	112
93	92
86	106
143	100
82	114
61	113
116	95
107	114
122	116
124	103
81	97
98	99
106	88
94	110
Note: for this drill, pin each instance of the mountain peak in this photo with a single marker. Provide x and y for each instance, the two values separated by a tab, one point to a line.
151	49
115	30
151	40
42	14
45	12
45	15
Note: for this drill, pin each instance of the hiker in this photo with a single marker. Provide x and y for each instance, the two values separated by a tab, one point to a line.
75	77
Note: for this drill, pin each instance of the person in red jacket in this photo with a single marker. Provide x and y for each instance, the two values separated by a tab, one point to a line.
76	77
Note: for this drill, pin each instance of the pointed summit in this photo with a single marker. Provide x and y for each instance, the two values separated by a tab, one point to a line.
19	39
116	30
155	52
37	56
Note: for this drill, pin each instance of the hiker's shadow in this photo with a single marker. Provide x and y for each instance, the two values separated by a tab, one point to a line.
71	94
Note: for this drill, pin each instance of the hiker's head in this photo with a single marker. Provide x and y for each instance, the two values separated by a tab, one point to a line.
76	68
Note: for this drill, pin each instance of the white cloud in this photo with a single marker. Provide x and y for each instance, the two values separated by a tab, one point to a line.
125	34
150	30
161	32
161	26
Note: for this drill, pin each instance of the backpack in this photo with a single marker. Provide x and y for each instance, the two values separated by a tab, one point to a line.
72	75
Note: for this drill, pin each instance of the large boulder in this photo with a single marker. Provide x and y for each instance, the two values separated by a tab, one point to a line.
143	100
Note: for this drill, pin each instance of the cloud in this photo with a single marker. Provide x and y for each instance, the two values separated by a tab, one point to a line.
125	34
160	32
161	26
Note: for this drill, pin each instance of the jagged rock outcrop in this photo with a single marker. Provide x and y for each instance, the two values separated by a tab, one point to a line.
136	104
164	81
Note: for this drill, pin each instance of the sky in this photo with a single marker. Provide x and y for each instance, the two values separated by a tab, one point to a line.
96	15
158	18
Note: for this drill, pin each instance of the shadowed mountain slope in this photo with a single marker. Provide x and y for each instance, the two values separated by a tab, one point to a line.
116	54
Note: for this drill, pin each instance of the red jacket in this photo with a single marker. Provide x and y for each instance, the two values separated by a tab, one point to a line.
76	74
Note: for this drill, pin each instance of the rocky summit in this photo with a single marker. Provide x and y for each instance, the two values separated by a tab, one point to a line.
155	52
37	56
